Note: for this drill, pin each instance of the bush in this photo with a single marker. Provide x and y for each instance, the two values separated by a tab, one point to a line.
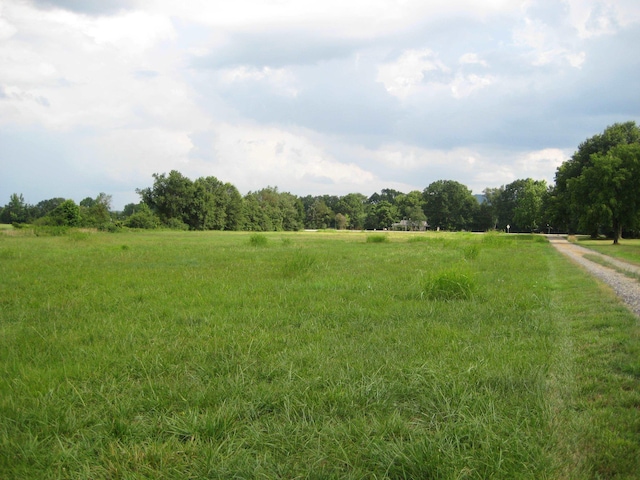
144	218
50	231
176	224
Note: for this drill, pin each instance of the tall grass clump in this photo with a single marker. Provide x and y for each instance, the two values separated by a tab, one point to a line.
299	264
379	238
450	284
417	239
471	251
258	239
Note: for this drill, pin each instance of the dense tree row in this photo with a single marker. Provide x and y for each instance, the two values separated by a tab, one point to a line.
59	212
596	191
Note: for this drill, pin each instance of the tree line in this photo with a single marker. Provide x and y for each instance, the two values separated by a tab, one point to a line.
595	191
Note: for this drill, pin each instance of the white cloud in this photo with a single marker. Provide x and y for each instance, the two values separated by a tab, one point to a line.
132	32
407	73
138	153
539	163
281	80
464	85
253	157
472	59
86	71
355	18
592	18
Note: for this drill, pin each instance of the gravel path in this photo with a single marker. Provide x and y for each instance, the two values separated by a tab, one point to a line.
626	288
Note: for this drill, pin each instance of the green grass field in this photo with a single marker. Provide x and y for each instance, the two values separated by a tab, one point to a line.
311	355
628	250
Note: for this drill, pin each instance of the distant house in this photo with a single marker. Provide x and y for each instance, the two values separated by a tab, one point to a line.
409	225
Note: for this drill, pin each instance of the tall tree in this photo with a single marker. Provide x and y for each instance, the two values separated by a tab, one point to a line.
319	215
16	211
449	205
609	188
381	216
352	206
95	212
66	214
570	207
411	208
207	210
171	196
43	207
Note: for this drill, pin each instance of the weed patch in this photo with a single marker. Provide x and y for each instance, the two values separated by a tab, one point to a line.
258	239
452	284
417	239
381	238
471	251
299	264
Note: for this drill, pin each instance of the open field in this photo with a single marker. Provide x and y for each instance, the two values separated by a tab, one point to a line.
311	355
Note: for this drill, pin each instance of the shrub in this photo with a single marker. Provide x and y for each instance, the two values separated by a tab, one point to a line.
50	231
176	224
144	218
453	284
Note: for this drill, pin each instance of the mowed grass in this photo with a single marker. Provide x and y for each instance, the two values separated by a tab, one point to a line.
628	250
311	355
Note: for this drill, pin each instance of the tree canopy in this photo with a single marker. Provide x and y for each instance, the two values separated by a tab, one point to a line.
570	205
449	205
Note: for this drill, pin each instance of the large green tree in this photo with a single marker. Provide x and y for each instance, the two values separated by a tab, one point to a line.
318	213
270	210
16	211
352	206
610	189
519	204
570	206
203	204
449	205
381	215
171	197
411	208
95	212
67	214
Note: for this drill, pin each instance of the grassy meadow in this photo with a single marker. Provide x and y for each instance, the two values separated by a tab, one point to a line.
627	250
311	355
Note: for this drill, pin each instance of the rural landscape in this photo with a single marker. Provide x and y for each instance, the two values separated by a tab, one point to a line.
301	239
171	348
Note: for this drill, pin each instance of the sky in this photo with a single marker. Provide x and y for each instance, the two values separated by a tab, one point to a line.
312	97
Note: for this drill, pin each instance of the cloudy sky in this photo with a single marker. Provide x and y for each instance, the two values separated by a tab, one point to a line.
314	97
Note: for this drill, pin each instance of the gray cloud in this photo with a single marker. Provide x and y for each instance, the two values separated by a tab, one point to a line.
89	7
277	49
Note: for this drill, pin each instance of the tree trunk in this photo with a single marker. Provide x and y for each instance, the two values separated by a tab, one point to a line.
617	232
